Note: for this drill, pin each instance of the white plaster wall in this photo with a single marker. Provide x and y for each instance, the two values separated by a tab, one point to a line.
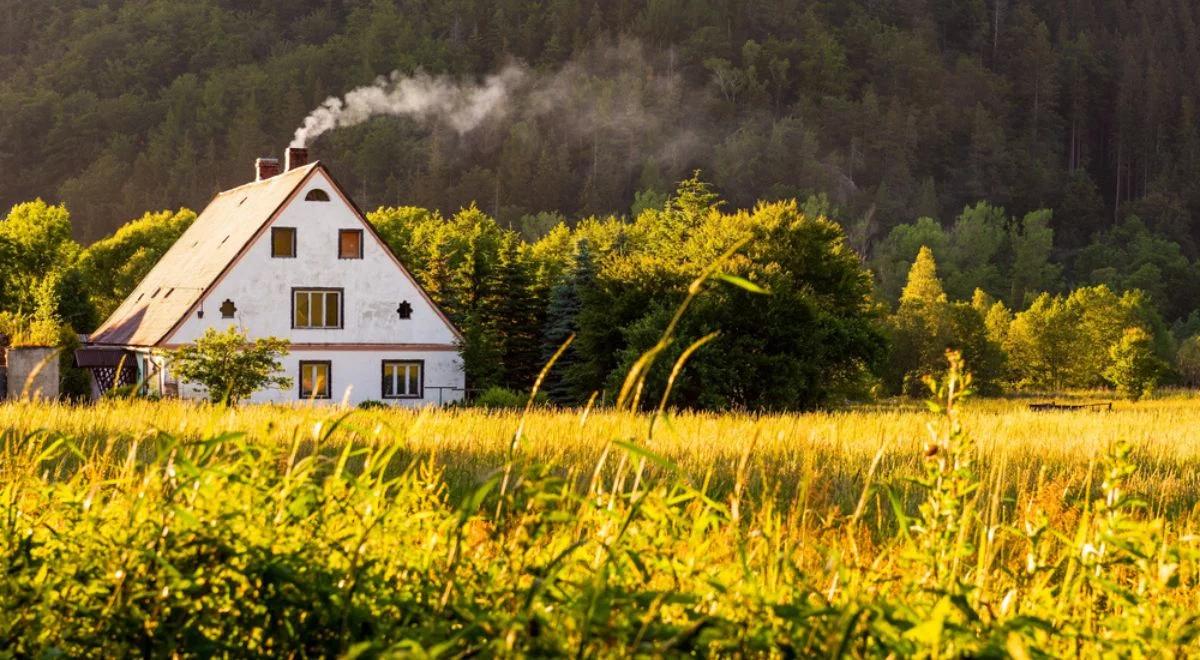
260	286
357	376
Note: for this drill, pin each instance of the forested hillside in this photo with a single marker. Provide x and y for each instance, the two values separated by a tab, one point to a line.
897	109
1020	178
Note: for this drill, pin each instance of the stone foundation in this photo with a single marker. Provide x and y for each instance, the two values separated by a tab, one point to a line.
33	373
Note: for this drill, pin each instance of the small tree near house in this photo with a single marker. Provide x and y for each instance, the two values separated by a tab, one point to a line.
231	366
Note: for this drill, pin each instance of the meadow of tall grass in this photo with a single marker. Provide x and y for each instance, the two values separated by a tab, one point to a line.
970	528
1022	449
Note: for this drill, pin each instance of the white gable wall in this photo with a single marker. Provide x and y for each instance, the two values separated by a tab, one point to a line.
260	287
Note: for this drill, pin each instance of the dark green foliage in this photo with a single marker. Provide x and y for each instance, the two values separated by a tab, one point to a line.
562	321
502	398
612	284
1130	256
895	111
811	336
484	279
481	350
518	312
1010	258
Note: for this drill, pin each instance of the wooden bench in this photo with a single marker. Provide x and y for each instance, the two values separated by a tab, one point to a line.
1054	405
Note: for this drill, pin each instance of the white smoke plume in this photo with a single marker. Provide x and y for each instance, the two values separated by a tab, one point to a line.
614	116
461	104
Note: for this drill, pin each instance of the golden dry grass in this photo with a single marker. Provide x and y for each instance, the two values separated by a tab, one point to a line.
1019	448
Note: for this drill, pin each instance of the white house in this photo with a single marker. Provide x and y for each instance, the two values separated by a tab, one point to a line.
288	255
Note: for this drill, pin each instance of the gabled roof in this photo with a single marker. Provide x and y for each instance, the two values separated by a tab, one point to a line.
217	239
179	280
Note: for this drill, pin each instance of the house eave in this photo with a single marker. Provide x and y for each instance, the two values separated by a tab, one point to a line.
352	346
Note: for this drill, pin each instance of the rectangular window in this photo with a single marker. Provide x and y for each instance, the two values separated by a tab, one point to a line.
314	379
403	379
350	243
283	242
316	308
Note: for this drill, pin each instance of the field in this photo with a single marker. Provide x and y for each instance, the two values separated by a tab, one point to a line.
152	528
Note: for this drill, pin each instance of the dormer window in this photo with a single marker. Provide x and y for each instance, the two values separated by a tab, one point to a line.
350	243
316	195
283	242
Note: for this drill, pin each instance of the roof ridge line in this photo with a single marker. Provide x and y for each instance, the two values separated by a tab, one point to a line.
269	179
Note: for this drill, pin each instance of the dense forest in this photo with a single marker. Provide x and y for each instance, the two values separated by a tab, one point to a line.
897	109
1047	155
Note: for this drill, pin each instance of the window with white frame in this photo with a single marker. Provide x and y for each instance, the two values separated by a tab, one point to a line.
316	308
403	379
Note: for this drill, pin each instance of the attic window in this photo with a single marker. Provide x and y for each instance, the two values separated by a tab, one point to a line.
228	309
243	201
155	294
316	195
283	242
350	243
168	294
404	310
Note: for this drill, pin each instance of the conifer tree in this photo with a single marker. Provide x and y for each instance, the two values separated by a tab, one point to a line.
517	312
923	285
562	320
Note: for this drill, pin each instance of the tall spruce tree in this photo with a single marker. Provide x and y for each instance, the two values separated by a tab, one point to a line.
562	320
518	315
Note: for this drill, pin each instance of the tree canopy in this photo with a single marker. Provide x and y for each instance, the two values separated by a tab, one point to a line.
895	110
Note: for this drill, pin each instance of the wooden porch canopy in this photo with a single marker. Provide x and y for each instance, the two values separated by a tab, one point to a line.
98	357
111	367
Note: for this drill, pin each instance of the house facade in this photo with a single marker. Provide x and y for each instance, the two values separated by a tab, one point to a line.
291	256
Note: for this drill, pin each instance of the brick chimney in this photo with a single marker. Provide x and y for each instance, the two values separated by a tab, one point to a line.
265	168
295	157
